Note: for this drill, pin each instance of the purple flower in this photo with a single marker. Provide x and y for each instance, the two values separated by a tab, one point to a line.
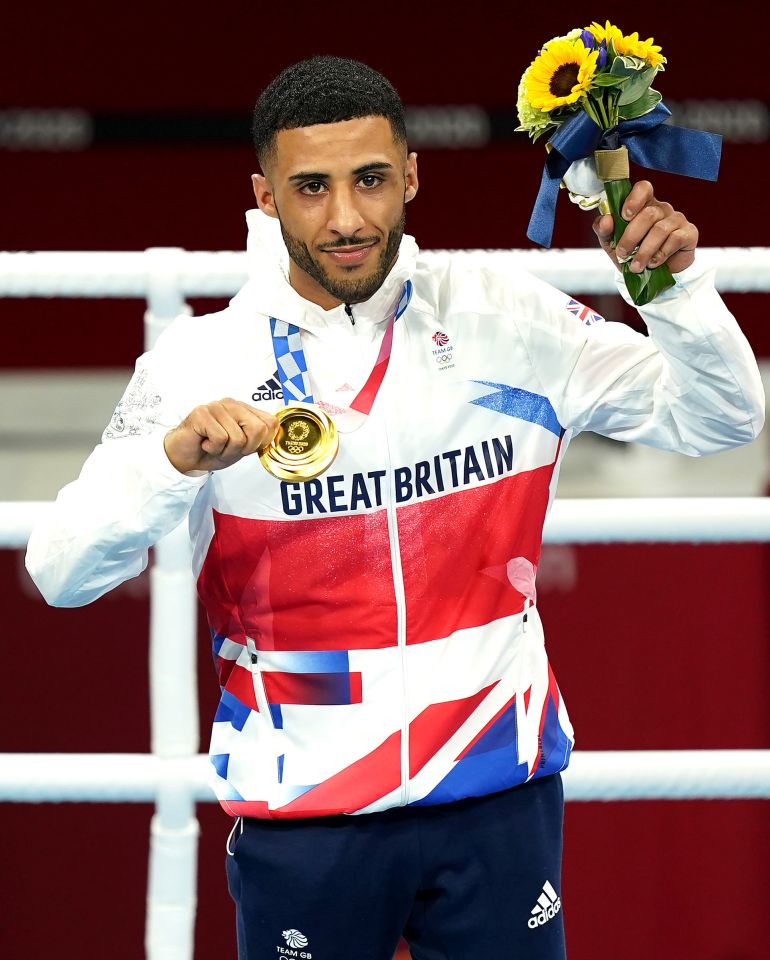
588	39
601	60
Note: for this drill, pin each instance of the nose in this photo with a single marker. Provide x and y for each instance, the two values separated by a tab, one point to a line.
344	216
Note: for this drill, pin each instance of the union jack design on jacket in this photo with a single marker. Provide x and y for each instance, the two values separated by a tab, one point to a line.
375	630
584	314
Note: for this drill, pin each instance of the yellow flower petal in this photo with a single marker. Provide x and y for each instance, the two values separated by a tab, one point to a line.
560	75
628	46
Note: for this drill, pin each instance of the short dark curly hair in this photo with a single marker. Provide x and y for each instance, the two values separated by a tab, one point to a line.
323	90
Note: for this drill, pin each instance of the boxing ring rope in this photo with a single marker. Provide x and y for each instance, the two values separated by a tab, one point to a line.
615	520
592	775
174	774
160	271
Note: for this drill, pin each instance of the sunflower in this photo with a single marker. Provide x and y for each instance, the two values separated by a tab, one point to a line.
630	46
560	75
607	32
646	50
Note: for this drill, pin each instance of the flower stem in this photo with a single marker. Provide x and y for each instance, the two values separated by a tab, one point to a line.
589	105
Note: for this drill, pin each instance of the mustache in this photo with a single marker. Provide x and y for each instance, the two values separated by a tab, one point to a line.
349	242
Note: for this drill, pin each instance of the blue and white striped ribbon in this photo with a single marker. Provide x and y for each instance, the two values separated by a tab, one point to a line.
403	303
290	358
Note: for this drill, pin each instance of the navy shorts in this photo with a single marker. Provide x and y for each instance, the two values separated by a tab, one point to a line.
460	881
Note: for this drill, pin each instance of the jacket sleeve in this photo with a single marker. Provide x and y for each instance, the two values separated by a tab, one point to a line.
127	497
692	386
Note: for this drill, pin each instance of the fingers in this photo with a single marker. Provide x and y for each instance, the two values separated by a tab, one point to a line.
668	237
640	196
655	234
233	429
646	232
257	427
217	434
219	431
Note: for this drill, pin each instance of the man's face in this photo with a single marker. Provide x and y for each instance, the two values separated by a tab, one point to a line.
339	191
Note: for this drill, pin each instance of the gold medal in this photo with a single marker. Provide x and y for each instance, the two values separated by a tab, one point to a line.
304	446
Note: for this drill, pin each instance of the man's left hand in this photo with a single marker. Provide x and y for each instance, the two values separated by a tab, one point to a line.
662	234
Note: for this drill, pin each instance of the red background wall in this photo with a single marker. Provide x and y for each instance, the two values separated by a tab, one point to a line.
655	647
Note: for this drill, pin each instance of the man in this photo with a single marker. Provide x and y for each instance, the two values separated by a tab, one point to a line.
375	628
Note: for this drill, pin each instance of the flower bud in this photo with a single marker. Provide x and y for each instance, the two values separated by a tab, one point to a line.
601	60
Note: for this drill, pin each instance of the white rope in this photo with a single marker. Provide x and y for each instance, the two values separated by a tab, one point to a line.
17	518
98	777
217	274
659	520
591	775
668	775
620	520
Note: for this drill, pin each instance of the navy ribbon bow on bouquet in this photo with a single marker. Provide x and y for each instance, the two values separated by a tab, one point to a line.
591	90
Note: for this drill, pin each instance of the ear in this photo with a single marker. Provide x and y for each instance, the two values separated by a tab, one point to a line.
263	191
411	178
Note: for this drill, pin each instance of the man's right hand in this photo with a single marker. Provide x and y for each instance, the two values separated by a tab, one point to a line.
217	435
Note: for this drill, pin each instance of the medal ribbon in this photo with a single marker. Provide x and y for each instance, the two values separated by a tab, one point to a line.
292	366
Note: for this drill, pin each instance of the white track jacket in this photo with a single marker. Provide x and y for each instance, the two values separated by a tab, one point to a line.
375	630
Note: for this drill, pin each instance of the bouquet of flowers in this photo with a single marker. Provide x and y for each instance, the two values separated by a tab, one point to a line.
591	90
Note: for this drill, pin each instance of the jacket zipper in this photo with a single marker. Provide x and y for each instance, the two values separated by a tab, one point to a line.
398	587
259	684
349	312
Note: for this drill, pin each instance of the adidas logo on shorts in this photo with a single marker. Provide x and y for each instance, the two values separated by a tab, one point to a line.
547	906
271	390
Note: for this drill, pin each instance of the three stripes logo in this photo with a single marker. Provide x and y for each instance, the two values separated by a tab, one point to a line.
547	906
271	390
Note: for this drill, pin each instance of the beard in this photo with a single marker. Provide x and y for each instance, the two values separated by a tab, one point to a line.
355	289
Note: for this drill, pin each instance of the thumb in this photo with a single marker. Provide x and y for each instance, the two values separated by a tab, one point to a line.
604	227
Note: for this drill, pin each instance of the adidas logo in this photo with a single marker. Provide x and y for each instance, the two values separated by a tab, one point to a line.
270	390
547	906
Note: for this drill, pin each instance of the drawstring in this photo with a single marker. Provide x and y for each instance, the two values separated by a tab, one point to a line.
238	823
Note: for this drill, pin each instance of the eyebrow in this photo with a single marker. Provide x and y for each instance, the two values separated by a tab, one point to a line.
366	168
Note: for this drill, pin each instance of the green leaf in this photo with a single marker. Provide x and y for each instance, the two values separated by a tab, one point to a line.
607	80
628	64
645	286
591	111
647	102
637	86
639	75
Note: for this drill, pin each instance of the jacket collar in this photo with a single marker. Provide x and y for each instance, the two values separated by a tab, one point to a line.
269	292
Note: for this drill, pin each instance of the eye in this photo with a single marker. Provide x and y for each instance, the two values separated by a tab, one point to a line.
370	180
312	188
